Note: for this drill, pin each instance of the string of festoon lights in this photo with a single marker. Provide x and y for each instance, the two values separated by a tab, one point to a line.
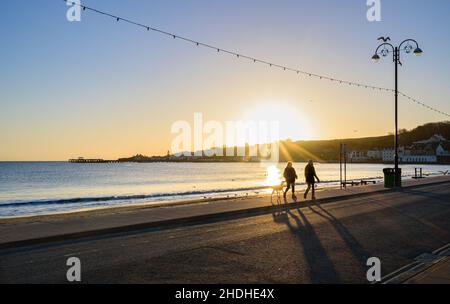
423	104
250	58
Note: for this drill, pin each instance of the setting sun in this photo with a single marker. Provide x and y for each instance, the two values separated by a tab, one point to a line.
273	176
292	123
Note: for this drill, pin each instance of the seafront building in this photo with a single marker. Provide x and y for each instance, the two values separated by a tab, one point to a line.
433	150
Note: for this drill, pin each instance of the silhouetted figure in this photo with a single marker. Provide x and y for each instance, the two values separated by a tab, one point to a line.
311	176
290	176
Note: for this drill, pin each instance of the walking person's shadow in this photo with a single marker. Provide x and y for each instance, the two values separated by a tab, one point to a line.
357	250
320	267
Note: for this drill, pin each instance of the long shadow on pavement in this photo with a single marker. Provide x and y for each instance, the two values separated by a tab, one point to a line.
440	233
358	251
443	198
319	264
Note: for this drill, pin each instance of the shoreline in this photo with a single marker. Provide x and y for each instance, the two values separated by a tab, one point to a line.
152	204
212	161
134	207
27	231
61	211
120	209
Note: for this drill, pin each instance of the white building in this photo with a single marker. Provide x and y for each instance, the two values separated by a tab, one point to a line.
427	151
361	156
374	154
418	159
357	156
436	138
433	150
443	149
388	155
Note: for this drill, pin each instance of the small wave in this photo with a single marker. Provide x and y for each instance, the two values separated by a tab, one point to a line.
136	197
126	197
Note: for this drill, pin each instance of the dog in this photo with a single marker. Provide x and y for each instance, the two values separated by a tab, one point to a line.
277	189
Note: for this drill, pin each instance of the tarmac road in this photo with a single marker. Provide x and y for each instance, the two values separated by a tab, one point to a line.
328	243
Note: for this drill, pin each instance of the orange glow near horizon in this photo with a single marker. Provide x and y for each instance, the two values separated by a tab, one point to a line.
119	97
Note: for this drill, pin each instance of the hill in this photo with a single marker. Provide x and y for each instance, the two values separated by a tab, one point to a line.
328	150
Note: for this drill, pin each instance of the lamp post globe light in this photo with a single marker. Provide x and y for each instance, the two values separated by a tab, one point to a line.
407	46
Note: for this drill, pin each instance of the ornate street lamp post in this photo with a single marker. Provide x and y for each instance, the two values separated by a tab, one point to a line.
408	46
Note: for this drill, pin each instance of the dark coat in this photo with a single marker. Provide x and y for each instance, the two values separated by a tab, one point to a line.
310	174
289	174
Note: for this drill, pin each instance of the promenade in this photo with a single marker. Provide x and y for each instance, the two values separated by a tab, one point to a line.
41	229
242	240
436	274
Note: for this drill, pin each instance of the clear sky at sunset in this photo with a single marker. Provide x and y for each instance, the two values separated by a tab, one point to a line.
98	88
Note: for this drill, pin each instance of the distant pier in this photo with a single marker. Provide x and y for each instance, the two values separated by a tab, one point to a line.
90	161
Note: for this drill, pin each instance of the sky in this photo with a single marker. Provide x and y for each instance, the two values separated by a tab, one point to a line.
104	89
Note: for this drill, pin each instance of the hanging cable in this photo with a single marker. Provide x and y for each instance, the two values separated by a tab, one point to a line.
250	58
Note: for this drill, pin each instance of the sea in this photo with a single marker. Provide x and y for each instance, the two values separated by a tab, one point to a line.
41	188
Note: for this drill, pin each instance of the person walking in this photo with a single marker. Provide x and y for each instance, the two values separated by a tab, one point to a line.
290	176
310	176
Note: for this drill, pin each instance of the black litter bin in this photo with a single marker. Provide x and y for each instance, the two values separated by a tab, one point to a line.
390	180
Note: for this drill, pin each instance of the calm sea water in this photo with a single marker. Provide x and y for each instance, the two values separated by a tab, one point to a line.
30	188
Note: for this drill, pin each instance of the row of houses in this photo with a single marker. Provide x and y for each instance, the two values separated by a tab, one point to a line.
433	150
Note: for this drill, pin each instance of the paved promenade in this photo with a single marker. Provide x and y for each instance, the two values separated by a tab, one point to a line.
41	229
437	274
328	241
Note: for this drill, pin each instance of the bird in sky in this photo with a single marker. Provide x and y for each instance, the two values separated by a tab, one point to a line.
382	38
